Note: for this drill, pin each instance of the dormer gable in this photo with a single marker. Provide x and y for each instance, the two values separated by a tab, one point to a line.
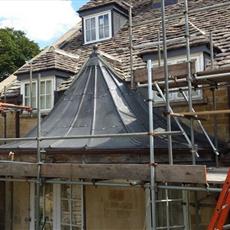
102	22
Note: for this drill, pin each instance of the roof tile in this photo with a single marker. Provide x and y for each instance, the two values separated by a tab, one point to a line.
146	24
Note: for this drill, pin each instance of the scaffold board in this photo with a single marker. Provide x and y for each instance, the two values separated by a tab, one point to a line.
194	174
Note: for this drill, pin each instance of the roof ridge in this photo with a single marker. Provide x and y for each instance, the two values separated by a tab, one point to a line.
68	54
109	56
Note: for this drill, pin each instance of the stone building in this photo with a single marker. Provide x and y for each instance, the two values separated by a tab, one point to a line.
90	85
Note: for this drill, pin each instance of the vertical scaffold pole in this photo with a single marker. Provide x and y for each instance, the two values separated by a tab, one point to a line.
211	50
131	45
215	125
189	79
185	198
38	183
213	89
151	140
31	83
159	47
82	207
5	117
190	104
166	74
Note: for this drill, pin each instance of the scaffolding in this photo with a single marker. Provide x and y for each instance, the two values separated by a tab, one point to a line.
169	86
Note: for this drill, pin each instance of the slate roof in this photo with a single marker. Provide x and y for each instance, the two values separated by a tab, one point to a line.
103	104
146	24
11	85
97	3
13	89
51	58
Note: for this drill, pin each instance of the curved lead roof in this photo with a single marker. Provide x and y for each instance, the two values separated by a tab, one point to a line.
98	102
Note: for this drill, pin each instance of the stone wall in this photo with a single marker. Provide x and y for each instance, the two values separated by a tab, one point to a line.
206	104
109	208
115	208
17	206
26	124
205	203
21	205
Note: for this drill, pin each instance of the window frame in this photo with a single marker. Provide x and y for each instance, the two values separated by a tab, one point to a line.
57	205
45	95
71	200
96	16
28	96
44	79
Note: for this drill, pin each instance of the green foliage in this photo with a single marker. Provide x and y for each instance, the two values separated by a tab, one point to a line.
15	49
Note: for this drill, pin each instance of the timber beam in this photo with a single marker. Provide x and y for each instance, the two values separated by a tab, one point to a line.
175	71
164	173
200	113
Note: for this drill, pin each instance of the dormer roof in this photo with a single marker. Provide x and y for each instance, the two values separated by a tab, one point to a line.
51	58
95	4
99	3
146	24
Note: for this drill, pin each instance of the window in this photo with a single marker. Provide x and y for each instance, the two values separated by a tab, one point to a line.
60	207
90	29
46	94
46	207
97	27
70	207
177	96
27	94
175	205
46	210
103	26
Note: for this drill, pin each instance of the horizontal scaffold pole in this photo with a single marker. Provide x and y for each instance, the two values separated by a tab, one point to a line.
98	136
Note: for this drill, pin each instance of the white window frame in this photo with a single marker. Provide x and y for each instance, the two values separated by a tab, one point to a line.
199	66
96	16
28	96
56	207
53	83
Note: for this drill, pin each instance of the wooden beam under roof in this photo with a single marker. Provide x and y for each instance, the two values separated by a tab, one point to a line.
178	73
175	71
164	173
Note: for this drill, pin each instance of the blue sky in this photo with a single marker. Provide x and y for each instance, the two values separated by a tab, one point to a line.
78	3
43	21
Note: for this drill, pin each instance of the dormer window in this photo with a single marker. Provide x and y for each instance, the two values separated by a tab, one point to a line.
97	27
46	93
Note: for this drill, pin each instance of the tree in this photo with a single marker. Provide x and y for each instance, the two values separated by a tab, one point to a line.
15	50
